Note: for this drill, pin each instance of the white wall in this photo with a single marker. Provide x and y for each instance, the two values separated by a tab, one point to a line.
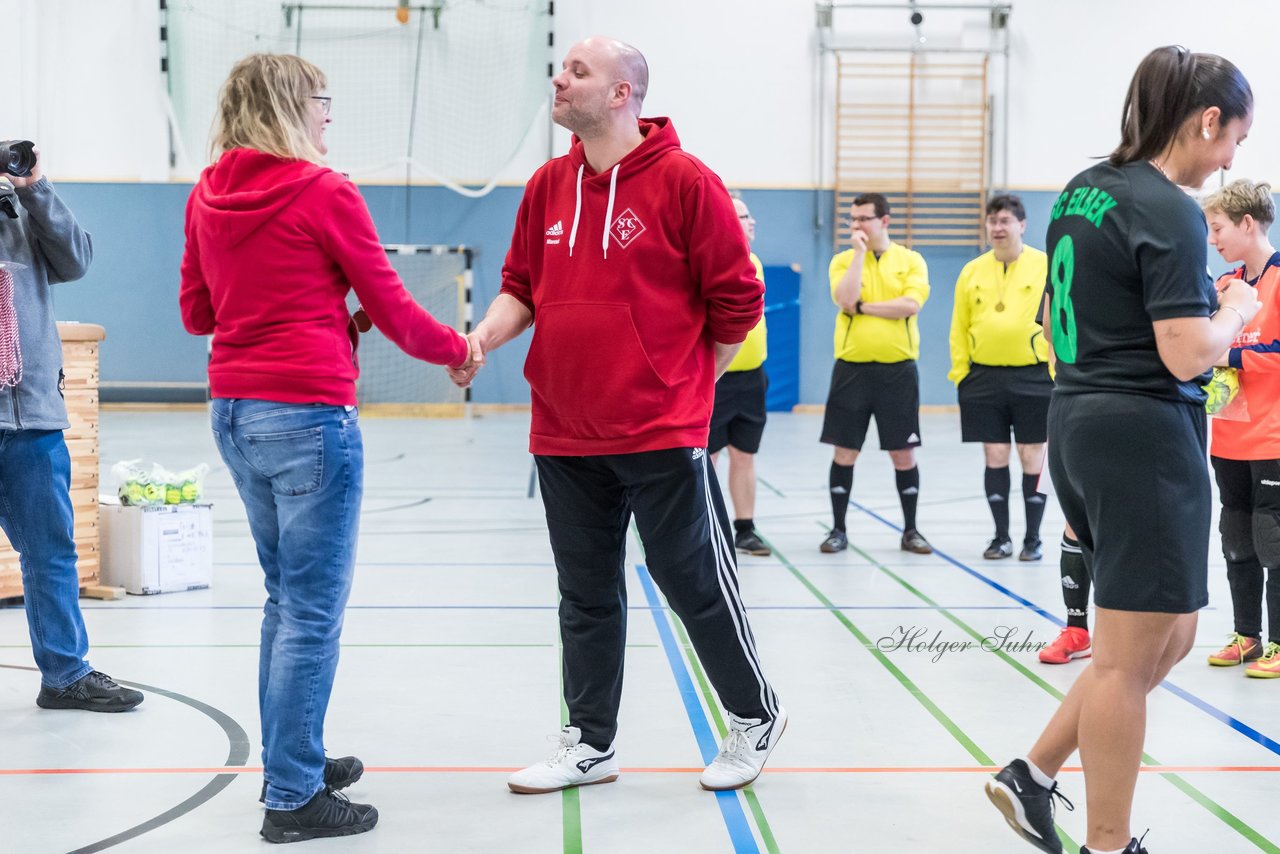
739	79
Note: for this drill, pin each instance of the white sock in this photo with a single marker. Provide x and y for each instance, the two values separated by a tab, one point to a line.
1039	776
1117	851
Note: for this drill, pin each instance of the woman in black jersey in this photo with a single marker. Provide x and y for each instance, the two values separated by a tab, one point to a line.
1135	324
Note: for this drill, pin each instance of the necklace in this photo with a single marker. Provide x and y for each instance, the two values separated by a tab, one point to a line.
1161	170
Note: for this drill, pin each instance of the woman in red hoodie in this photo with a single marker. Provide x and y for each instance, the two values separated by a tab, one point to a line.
275	241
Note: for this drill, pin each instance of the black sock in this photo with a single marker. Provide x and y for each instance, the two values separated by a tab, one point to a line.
908	494
841	483
996	483
1033	503
744	526
1244	577
1075	583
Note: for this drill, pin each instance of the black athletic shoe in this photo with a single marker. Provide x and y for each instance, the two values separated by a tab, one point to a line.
1027	806
999	549
913	542
1031	550
1134	847
94	692
750	543
338	774
326	814
836	541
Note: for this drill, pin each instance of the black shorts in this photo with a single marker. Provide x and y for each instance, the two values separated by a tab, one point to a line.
1132	480
995	400
739	414
861	390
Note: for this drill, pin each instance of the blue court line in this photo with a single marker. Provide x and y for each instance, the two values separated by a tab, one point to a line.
730	807
1211	710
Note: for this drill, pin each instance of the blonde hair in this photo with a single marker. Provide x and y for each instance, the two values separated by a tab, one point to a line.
265	104
1243	197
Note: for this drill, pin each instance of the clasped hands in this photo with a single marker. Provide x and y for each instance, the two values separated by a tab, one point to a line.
466	372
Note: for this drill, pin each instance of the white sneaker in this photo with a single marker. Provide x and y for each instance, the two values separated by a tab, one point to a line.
574	764
743	752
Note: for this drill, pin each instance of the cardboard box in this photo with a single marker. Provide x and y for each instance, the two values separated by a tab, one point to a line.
158	549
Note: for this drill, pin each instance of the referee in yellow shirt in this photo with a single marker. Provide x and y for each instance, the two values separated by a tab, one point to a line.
879	287
1000	364
737	420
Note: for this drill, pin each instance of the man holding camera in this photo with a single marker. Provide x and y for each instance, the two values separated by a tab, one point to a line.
41	244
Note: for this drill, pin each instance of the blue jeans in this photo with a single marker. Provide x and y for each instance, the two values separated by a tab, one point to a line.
35	514
299	469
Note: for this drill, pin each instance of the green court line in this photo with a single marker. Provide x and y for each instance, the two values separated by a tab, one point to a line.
713	707
344	646
1231	820
905	681
769	486
570	801
753	802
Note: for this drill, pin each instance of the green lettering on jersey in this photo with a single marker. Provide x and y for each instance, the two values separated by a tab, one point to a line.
1091	203
1059	206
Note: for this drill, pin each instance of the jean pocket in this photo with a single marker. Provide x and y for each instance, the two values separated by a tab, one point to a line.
293	460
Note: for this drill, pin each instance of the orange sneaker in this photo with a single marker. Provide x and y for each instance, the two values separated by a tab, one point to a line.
1268	666
1240	649
1072	642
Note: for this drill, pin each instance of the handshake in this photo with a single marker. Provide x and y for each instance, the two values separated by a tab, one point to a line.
466	372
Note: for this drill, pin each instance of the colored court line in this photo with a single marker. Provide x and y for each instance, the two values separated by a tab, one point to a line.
905	681
570	798
769	486
744	841
753	801
1214	712
495	769
1227	817
112	607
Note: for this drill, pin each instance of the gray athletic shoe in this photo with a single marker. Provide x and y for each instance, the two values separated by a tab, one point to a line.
836	541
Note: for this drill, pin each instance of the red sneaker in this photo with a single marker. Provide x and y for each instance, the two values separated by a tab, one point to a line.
1072	642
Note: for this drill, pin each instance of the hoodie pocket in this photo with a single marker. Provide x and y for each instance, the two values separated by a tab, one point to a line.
587	362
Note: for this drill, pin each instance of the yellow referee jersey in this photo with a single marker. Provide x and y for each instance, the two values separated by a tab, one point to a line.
898	272
753	351
994	318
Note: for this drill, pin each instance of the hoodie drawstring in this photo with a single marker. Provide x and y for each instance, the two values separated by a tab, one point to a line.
608	211
577	212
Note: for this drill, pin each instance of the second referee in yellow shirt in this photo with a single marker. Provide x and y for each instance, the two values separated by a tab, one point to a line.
999	362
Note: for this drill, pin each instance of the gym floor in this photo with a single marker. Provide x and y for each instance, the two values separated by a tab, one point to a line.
449	678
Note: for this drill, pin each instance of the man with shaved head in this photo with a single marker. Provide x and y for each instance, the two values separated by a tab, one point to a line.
628	261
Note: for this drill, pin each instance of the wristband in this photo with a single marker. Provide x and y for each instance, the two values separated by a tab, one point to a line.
1243	322
857	308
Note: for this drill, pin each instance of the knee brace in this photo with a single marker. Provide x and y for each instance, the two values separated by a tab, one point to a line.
1266	538
1236	527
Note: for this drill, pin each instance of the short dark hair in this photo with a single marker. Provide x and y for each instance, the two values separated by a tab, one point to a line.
1007	202
1171	85
881	203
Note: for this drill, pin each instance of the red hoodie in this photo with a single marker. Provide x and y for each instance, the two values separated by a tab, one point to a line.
273	247
631	275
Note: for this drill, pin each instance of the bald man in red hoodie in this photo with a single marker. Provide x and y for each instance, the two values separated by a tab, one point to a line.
629	262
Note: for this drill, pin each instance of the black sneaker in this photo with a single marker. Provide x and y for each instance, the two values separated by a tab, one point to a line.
913	542
836	541
750	543
1134	847
94	692
338	774
1027	806
1031	550
999	549
326	814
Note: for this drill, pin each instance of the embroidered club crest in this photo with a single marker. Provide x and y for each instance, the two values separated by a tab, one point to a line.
626	228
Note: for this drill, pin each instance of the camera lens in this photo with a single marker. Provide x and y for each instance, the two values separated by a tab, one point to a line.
17	157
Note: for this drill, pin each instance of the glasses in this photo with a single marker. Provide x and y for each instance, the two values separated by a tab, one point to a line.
1006	222
863	218
326	102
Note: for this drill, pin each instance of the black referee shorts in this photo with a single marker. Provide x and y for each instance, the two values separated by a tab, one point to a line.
1131	477
739	414
861	390
996	400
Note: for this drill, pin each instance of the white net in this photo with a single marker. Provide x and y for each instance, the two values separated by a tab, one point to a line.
447	97
437	278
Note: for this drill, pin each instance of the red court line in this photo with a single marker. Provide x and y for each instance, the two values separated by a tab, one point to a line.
483	769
